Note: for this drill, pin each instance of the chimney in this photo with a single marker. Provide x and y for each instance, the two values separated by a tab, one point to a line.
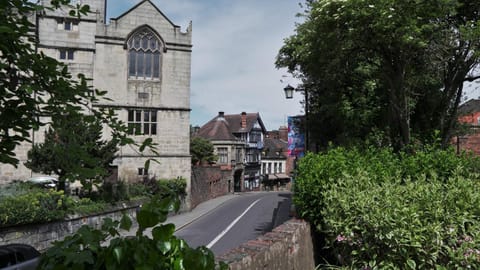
283	133
221	114
244	119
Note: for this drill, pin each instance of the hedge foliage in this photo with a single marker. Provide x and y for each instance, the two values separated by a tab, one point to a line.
23	203
35	207
379	210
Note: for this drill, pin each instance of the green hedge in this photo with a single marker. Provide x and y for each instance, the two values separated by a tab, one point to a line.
380	210
22	203
35	207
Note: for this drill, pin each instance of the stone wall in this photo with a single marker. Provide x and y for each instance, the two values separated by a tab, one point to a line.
208	182
41	236
288	246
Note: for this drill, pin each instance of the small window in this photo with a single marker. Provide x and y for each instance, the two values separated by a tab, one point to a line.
67	25
142	172
66	54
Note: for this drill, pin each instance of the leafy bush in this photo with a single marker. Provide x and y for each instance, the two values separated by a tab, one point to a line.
35	207
114	192
376	209
422	223
176	186
86	206
137	190
86	249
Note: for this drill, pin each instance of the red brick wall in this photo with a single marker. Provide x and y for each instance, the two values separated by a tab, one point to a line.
209	182
469	142
470	118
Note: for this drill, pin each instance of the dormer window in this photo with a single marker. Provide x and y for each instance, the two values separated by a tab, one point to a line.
144	55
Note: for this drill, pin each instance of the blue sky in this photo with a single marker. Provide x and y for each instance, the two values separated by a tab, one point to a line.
234	47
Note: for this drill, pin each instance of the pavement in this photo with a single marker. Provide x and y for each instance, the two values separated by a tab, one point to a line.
183	219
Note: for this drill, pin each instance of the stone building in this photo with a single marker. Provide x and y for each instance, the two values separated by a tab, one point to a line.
143	60
277	165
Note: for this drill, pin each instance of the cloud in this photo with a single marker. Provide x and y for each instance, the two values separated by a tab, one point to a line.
234	48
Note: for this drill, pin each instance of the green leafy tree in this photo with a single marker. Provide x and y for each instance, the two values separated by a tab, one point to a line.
86	248
201	150
393	66
74	150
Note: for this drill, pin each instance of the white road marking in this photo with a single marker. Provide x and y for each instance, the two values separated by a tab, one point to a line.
230	226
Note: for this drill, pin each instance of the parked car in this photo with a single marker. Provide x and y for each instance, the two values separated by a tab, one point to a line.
44	181
18	257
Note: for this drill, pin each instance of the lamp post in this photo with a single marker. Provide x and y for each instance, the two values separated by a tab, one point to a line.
289	95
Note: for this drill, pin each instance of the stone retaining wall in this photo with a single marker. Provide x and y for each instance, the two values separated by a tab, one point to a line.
41	236
288	246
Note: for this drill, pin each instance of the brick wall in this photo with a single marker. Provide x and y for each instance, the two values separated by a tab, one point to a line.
470	142
288	246
208	182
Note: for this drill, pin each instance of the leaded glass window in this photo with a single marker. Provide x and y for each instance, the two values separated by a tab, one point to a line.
144	53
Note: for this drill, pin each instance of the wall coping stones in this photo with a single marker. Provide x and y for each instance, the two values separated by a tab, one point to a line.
288	246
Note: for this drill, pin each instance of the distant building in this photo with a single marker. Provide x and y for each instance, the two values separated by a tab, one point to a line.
237	141
276	164
143	60
469	115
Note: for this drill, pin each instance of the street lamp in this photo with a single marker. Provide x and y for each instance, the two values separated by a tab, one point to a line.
289	95
288	91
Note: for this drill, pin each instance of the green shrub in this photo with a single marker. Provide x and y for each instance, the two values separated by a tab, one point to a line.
35	207
86	206
376	208
176	186
136	190
398	225
113	191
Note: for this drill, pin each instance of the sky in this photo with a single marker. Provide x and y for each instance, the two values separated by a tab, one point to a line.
235	43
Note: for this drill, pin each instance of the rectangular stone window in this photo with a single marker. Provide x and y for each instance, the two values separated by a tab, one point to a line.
67	25
142	95
142	122
66	54
222	153
142	172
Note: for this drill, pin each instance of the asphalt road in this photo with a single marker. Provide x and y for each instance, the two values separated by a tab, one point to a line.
238	220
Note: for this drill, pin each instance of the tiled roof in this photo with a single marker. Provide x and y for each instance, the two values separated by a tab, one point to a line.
223	126
216	129
235	122
274	146
473	105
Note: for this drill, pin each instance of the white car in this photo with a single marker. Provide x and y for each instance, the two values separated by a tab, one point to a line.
44	181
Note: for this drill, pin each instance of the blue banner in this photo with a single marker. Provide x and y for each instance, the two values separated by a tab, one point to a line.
296	136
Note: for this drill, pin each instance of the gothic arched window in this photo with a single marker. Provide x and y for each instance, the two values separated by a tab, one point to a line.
144	52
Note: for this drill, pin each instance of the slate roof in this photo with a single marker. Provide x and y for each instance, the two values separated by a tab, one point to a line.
224	126
272	146
216	129
471	106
